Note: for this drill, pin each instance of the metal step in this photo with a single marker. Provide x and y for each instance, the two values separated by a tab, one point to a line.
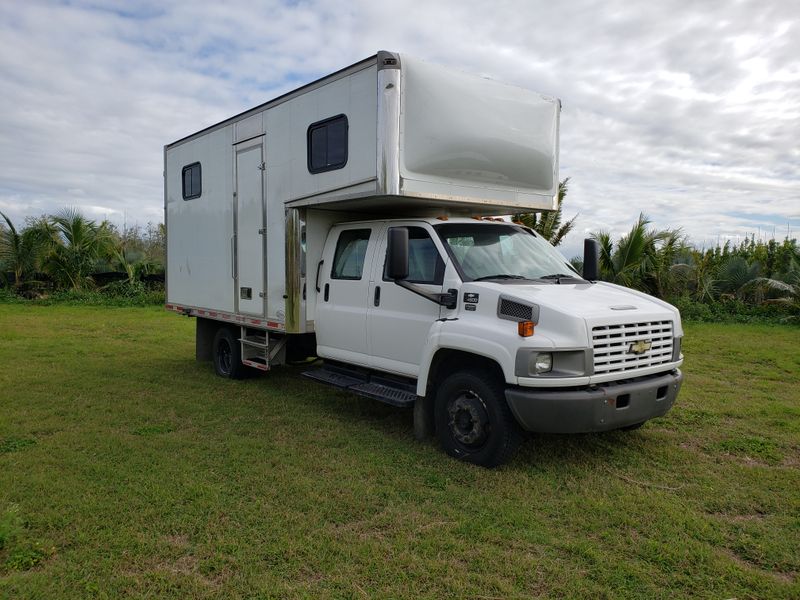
256	341
255	349
365	384
256	363
384	393
334	378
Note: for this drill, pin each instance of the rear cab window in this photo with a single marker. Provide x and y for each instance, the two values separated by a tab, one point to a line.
351	250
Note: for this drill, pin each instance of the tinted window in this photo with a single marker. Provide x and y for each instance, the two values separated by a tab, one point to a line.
351	248
482	251
425	264
327	144
191	181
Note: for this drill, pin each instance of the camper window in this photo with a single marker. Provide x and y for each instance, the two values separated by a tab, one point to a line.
192	187
327	144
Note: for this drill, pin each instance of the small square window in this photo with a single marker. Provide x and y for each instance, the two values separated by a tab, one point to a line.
327	144
191	181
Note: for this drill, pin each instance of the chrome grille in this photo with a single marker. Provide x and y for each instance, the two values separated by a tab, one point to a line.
612	346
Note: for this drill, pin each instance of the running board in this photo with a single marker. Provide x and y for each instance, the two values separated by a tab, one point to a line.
371	385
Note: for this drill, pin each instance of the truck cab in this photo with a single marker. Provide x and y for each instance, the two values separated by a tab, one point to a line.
492	330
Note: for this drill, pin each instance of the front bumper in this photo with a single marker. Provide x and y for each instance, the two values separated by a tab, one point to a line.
601	408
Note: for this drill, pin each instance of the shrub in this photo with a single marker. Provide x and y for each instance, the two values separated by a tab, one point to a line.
7	296
732	311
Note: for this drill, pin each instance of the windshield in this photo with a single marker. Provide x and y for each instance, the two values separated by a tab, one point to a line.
483	251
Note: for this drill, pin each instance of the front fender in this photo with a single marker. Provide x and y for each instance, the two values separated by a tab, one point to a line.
443	335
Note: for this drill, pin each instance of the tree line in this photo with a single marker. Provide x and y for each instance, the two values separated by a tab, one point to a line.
69	251
726	278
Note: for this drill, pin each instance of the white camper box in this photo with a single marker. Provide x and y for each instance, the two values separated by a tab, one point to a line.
422	139
343	220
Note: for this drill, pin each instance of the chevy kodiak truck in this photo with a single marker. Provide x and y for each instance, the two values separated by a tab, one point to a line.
359	219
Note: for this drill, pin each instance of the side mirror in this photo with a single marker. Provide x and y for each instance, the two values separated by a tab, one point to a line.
397	253
591	259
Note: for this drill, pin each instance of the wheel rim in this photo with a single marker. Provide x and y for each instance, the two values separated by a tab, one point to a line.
468	419
224	356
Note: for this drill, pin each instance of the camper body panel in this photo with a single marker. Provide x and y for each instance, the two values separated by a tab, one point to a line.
475	139
401	160
243	244
200	231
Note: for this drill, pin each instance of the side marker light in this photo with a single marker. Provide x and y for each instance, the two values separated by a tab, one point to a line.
525	328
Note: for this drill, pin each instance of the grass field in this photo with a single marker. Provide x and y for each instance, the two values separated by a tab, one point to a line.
129	470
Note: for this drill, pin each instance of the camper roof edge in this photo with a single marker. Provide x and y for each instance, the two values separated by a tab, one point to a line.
344	72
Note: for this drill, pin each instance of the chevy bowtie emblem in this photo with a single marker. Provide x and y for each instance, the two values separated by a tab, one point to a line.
640	347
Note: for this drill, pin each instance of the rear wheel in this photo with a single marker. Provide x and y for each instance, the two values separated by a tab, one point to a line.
473	420
227	354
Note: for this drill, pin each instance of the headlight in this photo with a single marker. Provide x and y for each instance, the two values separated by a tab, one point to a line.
542	362
531	362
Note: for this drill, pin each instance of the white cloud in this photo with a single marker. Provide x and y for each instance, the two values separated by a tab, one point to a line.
685	111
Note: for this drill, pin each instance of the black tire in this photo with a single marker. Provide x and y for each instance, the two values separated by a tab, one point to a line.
473	420
227	355
633	427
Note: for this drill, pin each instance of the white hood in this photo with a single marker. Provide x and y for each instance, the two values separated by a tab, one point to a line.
588	299
596	303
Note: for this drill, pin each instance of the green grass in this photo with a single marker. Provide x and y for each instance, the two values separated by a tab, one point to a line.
129	470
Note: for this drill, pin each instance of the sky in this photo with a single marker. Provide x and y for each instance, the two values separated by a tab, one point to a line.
685	110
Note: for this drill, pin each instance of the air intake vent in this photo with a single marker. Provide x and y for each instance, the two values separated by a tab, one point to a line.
517	311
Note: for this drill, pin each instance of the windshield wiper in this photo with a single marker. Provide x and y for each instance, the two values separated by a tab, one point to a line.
499	276
559	276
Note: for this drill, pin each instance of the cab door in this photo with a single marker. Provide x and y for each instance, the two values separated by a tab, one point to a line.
344	280
398	320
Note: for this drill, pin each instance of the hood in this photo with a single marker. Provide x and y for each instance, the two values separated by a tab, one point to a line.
596	303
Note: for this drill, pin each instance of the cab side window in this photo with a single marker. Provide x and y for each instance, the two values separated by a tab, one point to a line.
351	249
425	264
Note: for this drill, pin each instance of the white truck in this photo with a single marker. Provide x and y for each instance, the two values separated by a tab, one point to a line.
358	219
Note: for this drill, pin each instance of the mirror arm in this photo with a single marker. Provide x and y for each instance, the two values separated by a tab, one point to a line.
448	299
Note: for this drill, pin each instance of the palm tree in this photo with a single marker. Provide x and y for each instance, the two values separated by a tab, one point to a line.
548	223
135	264
21	252
644	258
75	245
745	281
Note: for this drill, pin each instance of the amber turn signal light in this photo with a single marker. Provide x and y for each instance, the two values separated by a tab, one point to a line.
525	328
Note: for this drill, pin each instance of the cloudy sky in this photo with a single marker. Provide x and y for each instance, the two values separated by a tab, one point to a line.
688	111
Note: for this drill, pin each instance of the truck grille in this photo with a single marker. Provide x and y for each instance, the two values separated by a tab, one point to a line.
624	347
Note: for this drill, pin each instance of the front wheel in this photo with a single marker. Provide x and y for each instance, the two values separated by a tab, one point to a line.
473	420
633	427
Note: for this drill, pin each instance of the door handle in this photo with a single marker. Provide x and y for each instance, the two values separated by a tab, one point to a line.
327	291
377	300
233	256
319	266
